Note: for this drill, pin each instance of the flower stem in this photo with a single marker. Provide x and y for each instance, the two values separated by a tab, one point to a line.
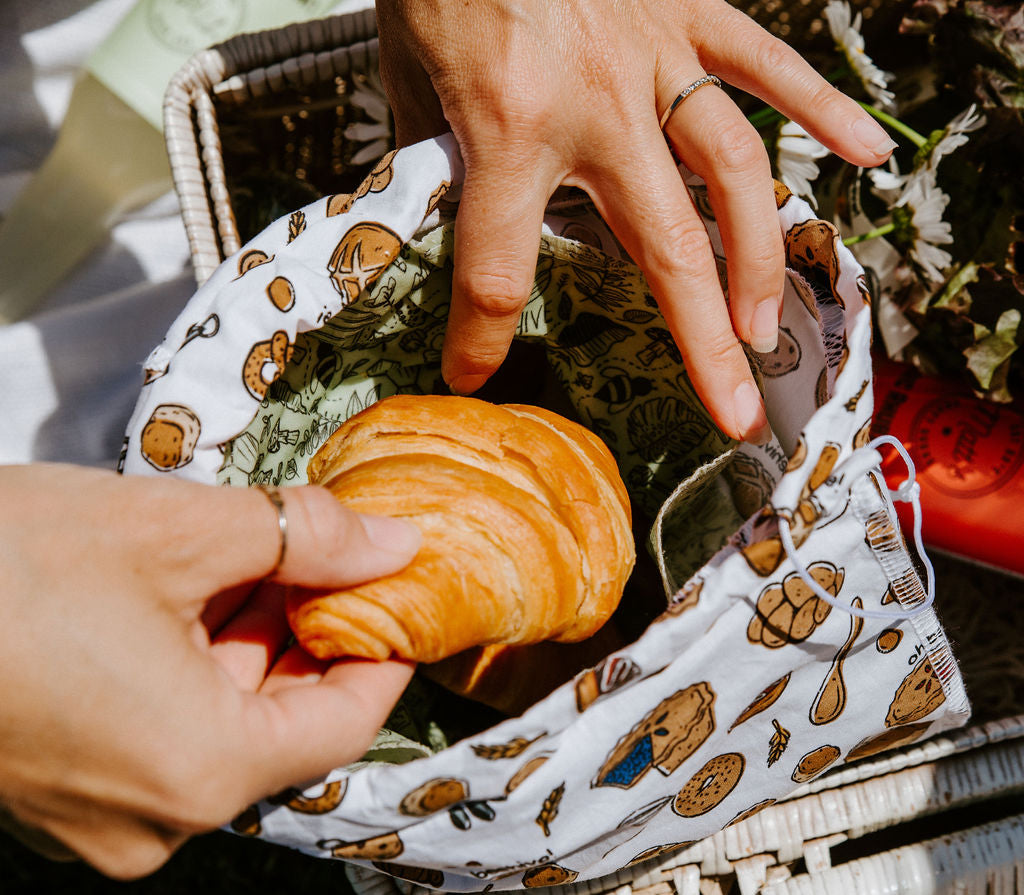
895	124
765	116
871	234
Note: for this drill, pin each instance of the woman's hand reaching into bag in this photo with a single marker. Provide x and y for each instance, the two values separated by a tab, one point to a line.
541	93
148	693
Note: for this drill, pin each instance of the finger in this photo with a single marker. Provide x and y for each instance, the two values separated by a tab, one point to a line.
225	536
497	237
117	843
247	646
739	51
34	838
301	732
294	666
716	141
655	220
219	610
329	545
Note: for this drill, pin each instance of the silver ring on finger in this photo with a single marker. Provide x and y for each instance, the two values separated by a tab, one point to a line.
687	91
274	496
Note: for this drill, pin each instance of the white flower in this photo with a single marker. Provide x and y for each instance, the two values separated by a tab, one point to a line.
846	34
369	96
887	184
795	154
955	134
920	223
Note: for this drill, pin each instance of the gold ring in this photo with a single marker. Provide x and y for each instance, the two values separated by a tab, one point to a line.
274	496
685	92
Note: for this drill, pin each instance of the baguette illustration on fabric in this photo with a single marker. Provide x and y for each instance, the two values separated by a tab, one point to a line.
525	522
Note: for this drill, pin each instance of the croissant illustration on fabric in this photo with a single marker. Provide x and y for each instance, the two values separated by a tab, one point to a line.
525	523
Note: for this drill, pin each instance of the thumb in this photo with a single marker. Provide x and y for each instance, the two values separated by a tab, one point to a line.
328	545
299	535
302	732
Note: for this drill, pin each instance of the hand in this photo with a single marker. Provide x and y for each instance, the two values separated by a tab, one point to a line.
540	93
145	694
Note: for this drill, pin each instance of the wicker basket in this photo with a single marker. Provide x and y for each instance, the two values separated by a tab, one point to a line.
263	123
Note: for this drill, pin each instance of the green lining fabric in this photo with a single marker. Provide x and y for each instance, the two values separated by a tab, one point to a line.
606	344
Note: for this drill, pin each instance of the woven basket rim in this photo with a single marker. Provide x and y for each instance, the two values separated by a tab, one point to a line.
190	126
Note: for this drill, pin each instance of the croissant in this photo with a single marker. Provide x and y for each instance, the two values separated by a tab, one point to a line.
525	523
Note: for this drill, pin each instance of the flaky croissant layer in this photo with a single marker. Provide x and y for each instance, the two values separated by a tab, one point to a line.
525	522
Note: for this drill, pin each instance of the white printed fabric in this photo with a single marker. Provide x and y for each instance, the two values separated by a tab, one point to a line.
748	684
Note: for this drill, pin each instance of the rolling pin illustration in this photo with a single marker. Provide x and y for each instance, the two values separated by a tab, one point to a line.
831	699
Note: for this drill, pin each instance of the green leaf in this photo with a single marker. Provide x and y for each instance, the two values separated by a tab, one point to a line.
954	294
990	352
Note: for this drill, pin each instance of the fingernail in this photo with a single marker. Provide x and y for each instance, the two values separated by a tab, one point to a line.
466	384
764	327
872	136
750	417
392	534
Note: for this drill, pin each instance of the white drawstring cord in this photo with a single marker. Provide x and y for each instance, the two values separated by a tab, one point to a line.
909	491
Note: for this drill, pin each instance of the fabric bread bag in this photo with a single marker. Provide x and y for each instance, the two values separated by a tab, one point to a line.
795	630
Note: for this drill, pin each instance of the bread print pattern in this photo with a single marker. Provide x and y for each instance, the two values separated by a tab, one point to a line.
424	876
917	696
814	762
765	699
169	437
252	258
782	194
789	612
349	309
522	773
360	258
375	182
751	811
664	738
658	851
889	739
811	248
750	484
433	796
376	848
708	788
608	675
322	803
437	197
888	640
248	822
281	294
548	875
784	359
765	554
266	361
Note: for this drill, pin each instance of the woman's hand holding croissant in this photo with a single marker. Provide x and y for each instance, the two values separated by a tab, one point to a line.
147	694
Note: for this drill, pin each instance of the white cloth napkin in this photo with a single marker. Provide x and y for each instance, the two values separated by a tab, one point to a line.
72	370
